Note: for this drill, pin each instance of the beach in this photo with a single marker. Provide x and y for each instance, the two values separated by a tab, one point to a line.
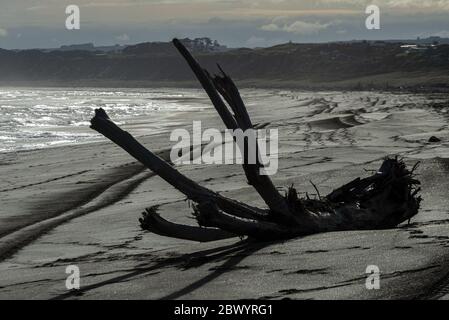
79	204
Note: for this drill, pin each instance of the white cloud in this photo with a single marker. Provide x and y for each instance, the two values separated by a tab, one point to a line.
123	37
3	32
297	27
301	27
271	27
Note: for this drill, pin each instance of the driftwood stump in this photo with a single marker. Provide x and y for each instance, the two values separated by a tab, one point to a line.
380	201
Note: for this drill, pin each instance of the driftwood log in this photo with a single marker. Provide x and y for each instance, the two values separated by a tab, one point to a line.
383	200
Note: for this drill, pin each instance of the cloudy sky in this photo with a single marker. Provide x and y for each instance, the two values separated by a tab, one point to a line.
251	23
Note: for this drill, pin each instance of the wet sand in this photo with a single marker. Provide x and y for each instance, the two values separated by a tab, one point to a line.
80	205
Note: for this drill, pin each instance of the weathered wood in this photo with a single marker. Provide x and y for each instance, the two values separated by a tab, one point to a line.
261	183
383	200
104	125
153	222
204	79
209	215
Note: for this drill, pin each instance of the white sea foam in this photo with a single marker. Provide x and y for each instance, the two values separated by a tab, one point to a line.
38	118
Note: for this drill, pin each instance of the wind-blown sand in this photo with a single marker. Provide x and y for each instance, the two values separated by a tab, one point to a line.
80	204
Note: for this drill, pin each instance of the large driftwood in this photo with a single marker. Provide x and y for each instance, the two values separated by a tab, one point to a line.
152	221
382	200
240	120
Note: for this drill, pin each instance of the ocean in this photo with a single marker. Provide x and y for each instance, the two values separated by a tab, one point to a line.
35	118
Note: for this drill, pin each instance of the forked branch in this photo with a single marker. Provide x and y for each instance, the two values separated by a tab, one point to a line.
383	200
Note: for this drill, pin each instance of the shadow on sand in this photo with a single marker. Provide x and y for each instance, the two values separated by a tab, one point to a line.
231	254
